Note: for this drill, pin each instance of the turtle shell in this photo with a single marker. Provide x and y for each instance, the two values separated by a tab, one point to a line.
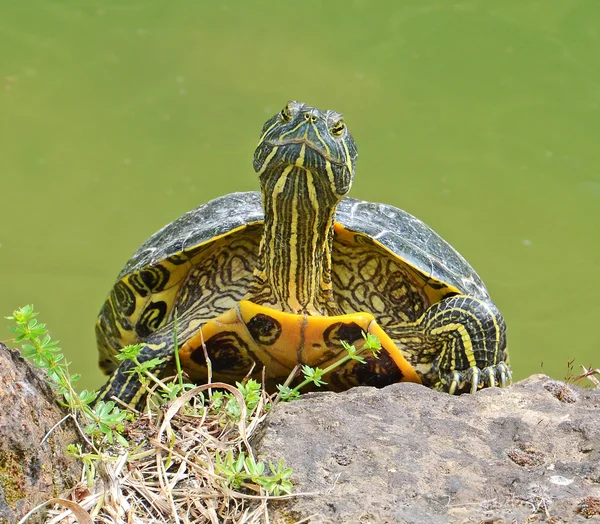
400	232
167	270
413	241
196	227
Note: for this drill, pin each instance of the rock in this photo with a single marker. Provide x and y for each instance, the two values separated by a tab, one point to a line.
400	454
406	453
30	472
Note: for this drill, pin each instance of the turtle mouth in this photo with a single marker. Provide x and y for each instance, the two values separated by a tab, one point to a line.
308	143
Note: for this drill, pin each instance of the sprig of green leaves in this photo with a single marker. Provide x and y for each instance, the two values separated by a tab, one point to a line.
315	375
241	469
104	420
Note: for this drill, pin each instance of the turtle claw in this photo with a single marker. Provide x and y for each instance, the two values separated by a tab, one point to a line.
502	379
455	382
476	378
504	372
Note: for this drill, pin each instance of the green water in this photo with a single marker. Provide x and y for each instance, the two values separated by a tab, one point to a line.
482	118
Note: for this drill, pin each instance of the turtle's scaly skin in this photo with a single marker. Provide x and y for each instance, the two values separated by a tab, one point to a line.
285	286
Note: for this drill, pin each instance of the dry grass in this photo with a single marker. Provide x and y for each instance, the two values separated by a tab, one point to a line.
590	374
171	472
173	469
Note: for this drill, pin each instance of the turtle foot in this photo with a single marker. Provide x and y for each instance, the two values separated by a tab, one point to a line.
474	378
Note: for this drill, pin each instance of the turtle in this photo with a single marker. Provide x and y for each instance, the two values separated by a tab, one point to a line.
261	282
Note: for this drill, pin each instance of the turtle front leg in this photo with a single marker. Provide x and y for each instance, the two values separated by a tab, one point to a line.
468	338
124	383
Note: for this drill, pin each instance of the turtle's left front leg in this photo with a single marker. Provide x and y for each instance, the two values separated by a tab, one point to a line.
469	338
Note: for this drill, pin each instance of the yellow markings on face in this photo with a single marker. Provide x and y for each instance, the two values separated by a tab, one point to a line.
338	128
328	168
300	159
291	131
285	114
330	174
267	132
268	160
348	157
323	142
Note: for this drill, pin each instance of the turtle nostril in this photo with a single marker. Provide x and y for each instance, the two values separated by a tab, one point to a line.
310	117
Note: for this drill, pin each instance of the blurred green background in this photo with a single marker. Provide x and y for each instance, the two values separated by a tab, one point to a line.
482	118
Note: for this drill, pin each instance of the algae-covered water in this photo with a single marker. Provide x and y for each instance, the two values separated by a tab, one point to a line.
481	118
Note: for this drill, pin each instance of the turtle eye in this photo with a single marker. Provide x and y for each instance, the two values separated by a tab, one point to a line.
285	114
337	129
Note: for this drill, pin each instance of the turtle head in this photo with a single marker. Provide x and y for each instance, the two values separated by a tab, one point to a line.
302	140
305	161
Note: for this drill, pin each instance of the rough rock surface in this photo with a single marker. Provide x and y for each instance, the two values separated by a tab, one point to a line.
30	472
409	454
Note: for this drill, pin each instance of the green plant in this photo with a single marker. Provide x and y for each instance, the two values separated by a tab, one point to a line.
315	375
243	468
215	427
226	403
104	420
